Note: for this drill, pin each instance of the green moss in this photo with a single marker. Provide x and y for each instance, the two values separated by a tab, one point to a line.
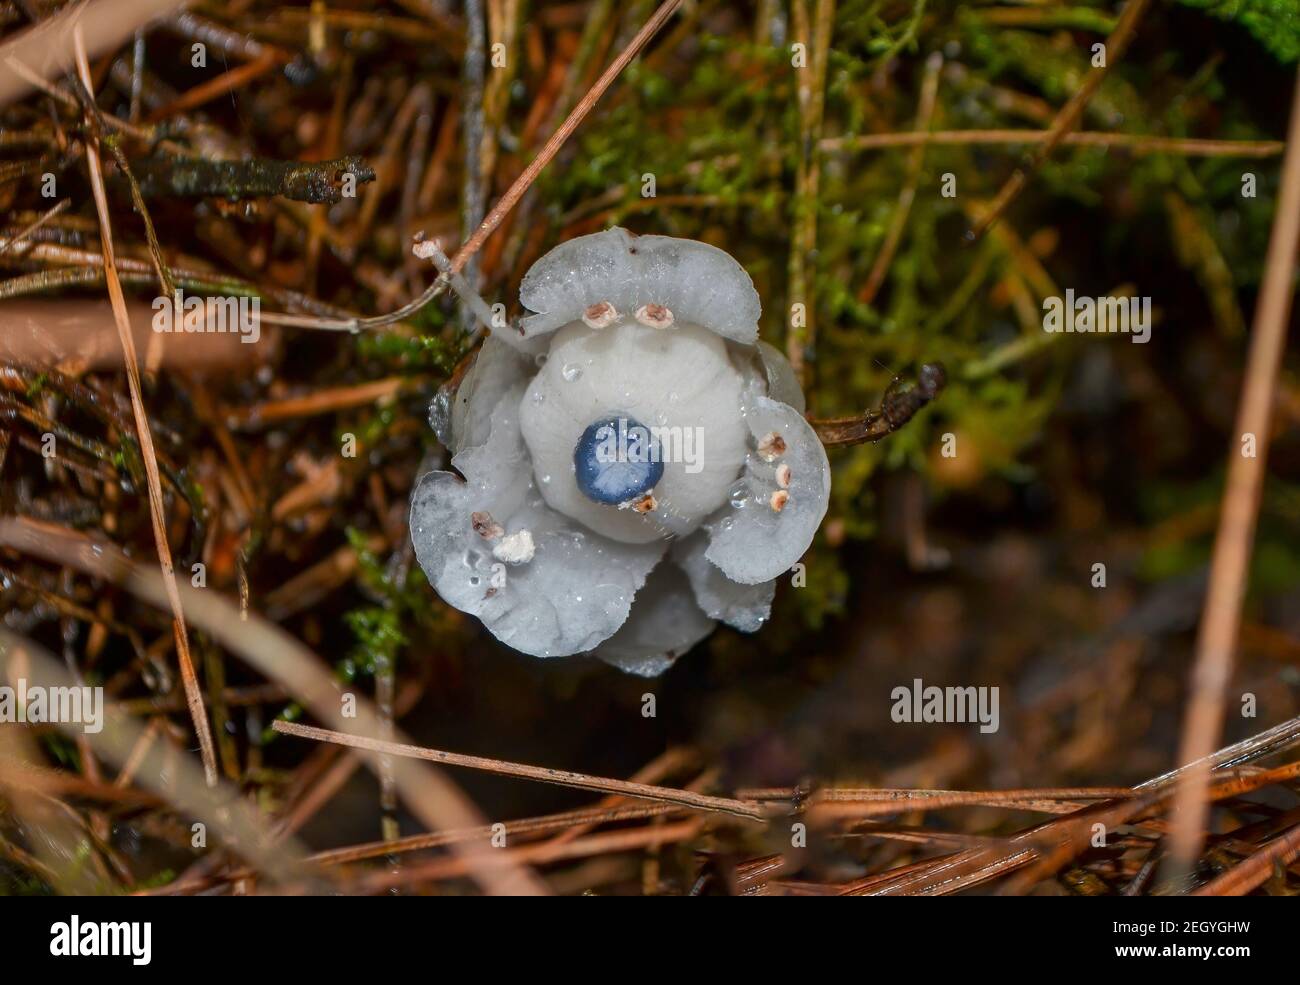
1274	23
37	385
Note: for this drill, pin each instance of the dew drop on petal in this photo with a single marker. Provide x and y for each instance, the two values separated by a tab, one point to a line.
571	372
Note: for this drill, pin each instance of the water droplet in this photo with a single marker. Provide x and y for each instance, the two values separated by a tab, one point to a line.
739	496
571	372
546	480
540	359
726	523
538	397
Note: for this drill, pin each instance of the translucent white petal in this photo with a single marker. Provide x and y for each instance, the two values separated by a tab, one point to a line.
697	282
513	337
744	607
497	368
754	543
782	384
680	380
664	624
574	593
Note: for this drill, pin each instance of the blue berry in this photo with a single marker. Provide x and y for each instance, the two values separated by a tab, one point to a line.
616	460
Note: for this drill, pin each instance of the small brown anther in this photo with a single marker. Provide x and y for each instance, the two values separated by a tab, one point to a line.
654	316
771	446
602	314
485	526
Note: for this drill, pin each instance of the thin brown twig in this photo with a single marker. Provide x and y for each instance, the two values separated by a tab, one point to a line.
1242	878
69	100
898	223
901	402
570	825
508	201
1135	143
205	92
579	820
95	119
557	140
31	227
845	802
1221	619
324	401
960	870
802	335
144	435
565	778
167	772
541	853
431	796
565	821
1068	117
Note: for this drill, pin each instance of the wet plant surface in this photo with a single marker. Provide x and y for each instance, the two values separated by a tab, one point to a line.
852	157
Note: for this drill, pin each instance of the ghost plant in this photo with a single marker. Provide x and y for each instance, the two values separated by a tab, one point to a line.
636	464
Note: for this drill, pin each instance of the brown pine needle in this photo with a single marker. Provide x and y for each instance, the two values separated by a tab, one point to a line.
541	853
1241	879
1221	619
226	82
193	694
557	140
27	230
1133	143
508	201
1067	119
811	92
241	825
566	821
898	224
432	798
565	778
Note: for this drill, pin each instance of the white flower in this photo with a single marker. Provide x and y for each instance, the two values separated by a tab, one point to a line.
636	462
